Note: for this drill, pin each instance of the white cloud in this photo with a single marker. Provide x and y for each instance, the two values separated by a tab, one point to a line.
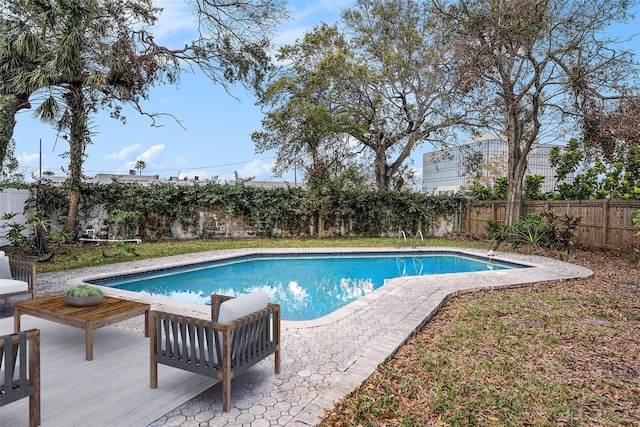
151	154
125	153
181	160
28	159
258	169
176	21
305	15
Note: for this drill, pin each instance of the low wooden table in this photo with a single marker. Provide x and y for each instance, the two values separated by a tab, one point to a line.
111	310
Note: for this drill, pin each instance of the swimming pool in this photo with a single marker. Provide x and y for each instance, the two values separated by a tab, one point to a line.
306	286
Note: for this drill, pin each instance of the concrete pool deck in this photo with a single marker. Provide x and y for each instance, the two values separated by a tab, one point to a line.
324	359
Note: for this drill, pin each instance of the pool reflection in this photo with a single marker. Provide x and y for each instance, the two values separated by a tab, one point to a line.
306	287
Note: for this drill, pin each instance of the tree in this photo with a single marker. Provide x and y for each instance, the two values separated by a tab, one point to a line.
100	54
385	89
528	61
308	135
87	59
140	164
20	50
9	172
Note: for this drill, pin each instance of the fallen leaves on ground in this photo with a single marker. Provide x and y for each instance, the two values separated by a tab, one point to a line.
562	353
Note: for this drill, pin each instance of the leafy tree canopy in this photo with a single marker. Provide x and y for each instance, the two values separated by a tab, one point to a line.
536	66
382	87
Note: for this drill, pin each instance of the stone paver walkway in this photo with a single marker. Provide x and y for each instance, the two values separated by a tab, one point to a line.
321	360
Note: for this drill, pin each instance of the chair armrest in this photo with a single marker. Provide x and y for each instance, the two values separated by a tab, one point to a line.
216	301
31	334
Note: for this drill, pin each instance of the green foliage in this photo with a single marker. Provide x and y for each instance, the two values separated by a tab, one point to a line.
615	175
497	233
15	231
83	291
480	192
31	234
497	192
150	211
500	189
531	230
584	187
562	229
532	187
126	222
9	165
544	229
566	161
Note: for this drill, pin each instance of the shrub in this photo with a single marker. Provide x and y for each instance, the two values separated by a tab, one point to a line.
544	229
531	230
563	230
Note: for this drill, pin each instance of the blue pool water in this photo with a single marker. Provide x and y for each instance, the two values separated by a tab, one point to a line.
306	286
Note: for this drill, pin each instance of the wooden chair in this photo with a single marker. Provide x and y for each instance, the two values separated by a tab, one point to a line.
20	371
217	350
17	277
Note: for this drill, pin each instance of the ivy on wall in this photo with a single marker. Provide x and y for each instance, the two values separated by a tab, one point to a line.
152	210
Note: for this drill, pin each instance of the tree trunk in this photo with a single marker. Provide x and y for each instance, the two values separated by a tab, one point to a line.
72	214
513	207
9	107
381	170
78	138
516	164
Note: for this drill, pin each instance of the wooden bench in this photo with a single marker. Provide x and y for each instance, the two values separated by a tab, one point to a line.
20	371
19	278
217	350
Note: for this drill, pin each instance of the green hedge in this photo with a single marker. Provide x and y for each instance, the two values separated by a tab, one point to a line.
154	208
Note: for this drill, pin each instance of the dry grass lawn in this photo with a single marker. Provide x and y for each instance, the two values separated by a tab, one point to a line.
565	353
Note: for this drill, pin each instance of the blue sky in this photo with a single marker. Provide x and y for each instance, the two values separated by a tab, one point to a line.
215	137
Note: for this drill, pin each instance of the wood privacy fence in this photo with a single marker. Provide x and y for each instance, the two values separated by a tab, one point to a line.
604	223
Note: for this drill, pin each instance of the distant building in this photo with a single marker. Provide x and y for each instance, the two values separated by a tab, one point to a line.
107	178
449	171
132	178
268	184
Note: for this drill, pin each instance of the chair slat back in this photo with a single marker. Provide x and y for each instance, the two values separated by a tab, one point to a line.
14	362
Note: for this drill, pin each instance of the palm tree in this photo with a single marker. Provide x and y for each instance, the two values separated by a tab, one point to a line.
88	59
94	54
20	50
140	164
